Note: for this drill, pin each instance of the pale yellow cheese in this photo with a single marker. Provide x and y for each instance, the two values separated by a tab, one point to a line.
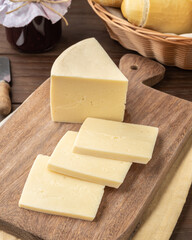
115	140
85	82
99	170
161	217
54	193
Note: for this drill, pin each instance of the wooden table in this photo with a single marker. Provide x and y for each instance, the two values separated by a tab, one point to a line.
29	71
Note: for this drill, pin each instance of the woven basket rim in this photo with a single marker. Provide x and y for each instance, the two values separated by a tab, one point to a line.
143	32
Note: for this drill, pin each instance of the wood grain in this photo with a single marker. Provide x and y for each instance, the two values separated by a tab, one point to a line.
32	132
29	71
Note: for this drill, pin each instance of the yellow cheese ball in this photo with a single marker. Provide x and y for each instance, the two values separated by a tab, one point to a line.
167	16
110	3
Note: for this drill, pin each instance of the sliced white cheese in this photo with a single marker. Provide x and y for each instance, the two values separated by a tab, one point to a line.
54	193
115	140
99	170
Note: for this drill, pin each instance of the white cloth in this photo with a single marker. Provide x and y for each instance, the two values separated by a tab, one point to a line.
26	14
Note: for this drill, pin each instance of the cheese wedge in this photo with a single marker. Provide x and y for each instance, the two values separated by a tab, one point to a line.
85	82
53	193
115	140
99	170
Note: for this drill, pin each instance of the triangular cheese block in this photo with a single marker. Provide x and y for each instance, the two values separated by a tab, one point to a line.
85	82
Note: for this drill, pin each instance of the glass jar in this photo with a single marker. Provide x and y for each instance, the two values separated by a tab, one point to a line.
40	35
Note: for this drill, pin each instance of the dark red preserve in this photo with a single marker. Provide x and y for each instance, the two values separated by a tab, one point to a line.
40	35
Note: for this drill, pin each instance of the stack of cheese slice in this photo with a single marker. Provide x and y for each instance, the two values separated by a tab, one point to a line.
71	181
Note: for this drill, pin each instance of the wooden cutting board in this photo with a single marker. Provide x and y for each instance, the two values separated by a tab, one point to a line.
30	131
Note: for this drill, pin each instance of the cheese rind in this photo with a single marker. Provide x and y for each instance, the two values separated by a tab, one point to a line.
85	82
53	193
114	140
99	170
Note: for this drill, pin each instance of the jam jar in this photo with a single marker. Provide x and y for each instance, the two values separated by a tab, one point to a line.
40	35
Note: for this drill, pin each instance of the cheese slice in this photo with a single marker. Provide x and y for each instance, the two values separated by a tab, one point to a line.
85	82
53	193
99	170
115	140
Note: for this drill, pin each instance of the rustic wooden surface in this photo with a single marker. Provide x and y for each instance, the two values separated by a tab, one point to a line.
32	132
29	71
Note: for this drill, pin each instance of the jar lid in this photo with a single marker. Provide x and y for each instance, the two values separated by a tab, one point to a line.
19	13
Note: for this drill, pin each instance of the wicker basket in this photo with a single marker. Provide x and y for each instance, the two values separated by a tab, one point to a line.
171	50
